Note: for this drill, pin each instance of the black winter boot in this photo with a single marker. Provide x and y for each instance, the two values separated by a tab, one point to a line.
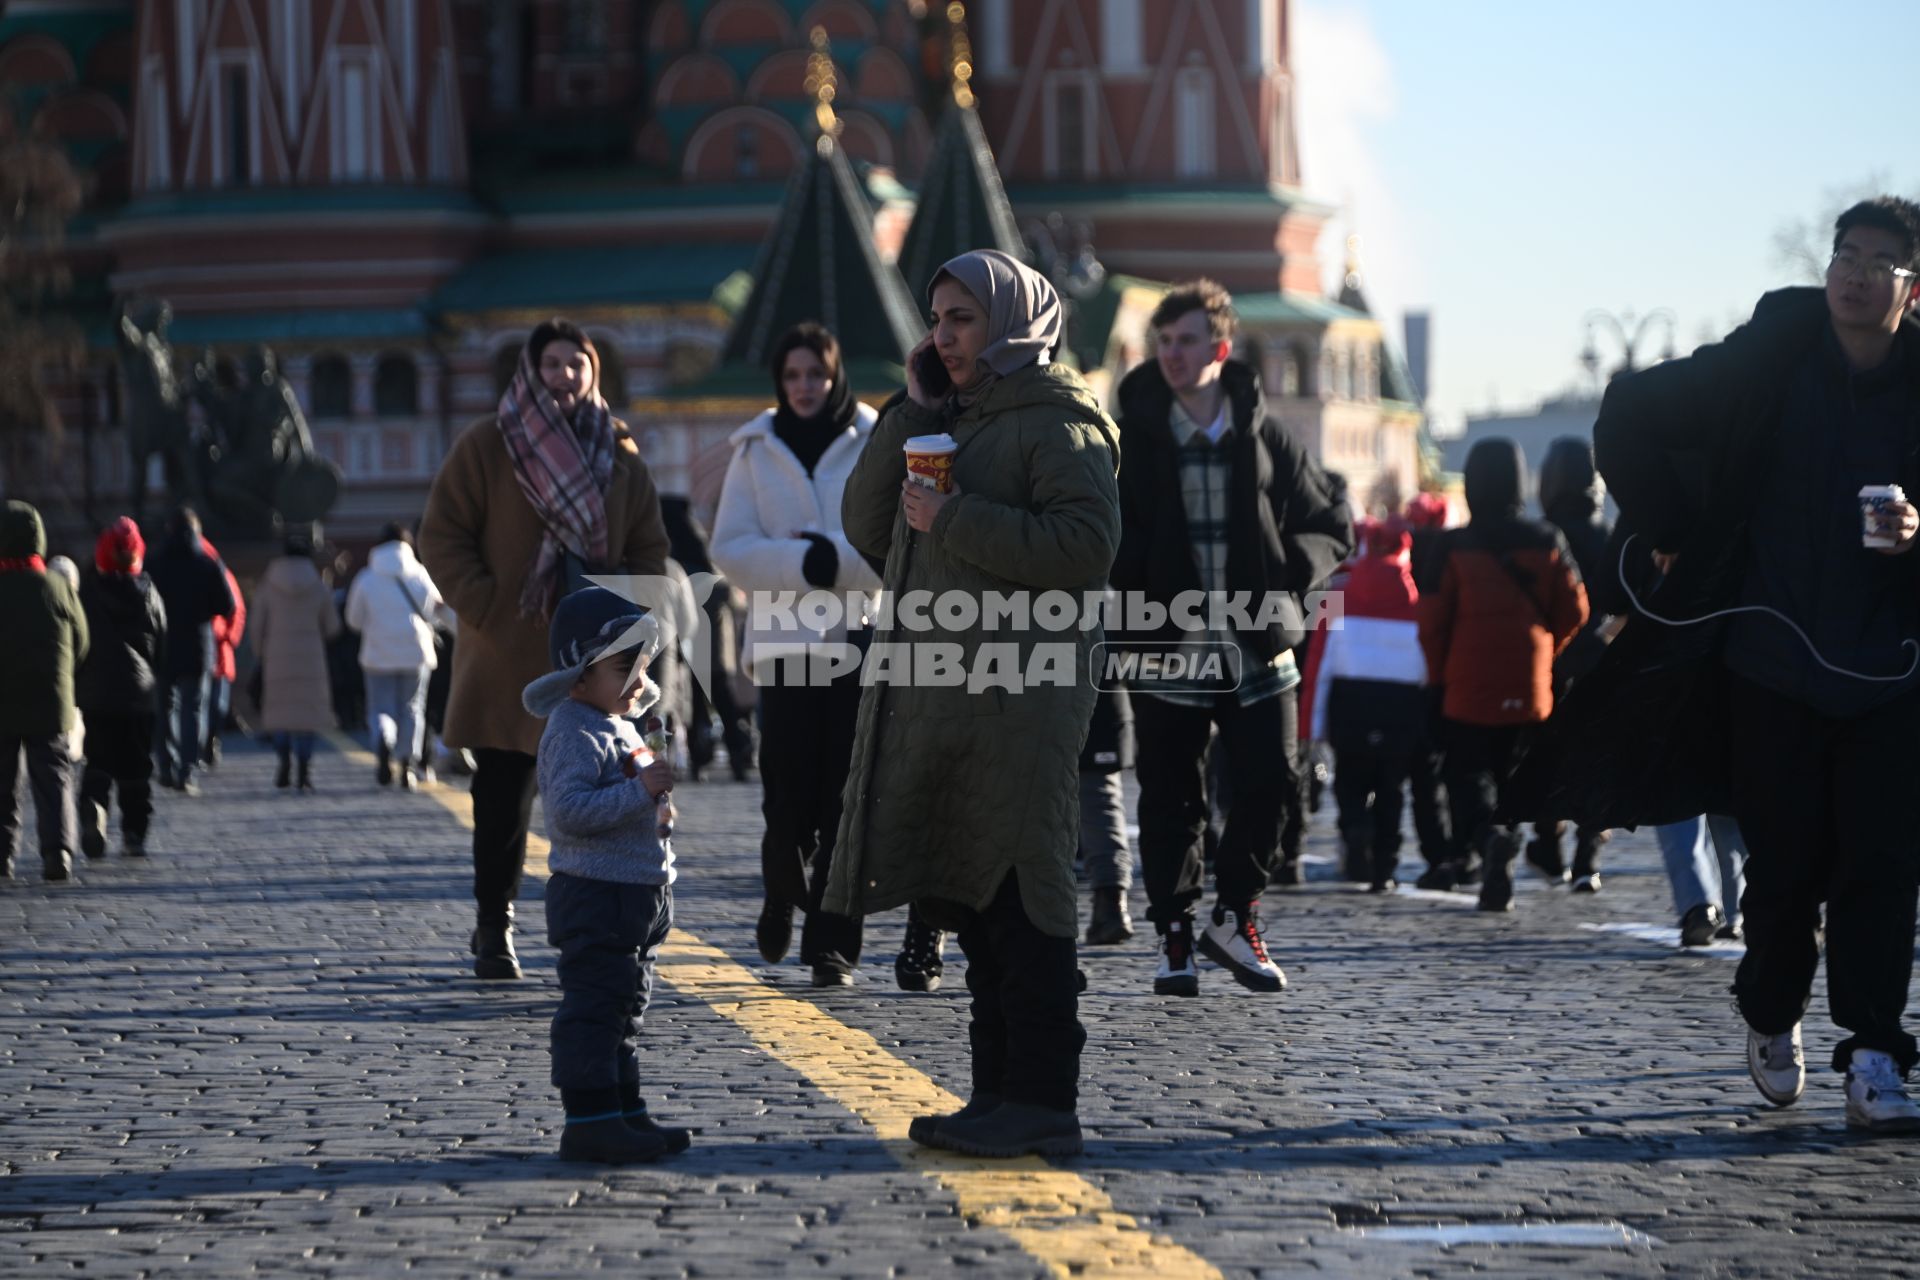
306	775
921	1128
610	1141
283	775
1110	923
919	966
494	958
1011	1129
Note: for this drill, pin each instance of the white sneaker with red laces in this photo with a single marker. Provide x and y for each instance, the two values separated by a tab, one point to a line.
1177	975
1232	940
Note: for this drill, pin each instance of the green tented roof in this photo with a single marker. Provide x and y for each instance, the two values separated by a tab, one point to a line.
962	204
818	263
636	275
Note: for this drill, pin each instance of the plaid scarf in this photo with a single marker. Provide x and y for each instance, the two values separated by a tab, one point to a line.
564	469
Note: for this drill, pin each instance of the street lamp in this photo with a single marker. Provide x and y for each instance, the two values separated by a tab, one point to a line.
1629	331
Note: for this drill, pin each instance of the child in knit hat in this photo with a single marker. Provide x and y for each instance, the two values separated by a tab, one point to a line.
609	892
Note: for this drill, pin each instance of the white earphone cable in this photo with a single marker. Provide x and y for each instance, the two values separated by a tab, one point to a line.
1912	667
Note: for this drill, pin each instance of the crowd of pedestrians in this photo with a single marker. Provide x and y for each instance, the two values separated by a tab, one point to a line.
1734	664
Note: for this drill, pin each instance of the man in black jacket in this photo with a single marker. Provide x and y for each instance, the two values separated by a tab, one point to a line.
193	587
1741	468
115	689
1216	501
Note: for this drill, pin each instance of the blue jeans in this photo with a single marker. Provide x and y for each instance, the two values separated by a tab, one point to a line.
219	703
1706	863
397	711
183	733
300	744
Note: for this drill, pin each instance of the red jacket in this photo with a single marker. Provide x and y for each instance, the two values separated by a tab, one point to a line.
227	628
1509	600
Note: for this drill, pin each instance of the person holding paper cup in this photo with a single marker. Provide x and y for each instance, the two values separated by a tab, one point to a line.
964	798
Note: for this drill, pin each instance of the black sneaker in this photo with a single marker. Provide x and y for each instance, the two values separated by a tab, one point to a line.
1544	856
383	772
1496	888
1699	926
831	971
1454	874
1178	975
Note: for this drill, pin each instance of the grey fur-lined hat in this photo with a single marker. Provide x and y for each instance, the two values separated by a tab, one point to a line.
589	625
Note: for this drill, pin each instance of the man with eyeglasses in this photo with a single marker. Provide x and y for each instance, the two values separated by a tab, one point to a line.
1771	667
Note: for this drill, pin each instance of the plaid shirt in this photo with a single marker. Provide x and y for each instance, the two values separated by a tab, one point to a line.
1206	471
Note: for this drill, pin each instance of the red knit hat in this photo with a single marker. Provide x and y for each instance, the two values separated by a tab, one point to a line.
121	549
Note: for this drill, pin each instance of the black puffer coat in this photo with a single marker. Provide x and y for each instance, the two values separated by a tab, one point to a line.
129	626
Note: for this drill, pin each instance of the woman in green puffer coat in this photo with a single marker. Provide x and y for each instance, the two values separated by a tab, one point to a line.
963	799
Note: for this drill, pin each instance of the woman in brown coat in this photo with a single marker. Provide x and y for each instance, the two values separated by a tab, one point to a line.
291	620
548	489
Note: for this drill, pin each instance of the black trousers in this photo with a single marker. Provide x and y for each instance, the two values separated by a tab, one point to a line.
1479	760
1367	783
503	788
806	751
118	754
1430	817
1830	814
608	936
49	774
1026	1033
1261	743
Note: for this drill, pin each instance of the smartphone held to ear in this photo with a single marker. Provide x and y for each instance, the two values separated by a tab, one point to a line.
932	372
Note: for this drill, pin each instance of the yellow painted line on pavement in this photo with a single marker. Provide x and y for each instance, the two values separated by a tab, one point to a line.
1058	1217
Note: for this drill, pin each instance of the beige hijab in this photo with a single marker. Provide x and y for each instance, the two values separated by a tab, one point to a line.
1023	311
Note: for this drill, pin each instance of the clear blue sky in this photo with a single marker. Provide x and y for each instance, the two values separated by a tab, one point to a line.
1512	164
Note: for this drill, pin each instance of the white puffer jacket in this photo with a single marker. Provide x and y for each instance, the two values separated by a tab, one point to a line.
766	498
386	604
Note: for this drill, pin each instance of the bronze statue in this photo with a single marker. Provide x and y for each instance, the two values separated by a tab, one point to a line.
243	456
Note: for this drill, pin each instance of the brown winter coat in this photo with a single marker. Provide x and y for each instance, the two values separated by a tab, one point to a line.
478	540
291	620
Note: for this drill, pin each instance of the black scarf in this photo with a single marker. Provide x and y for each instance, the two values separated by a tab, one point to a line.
809	437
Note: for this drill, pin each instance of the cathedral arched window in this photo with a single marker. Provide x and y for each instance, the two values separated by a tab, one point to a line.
330	387
396	387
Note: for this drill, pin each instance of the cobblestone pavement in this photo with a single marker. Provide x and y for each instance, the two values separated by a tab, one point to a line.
261	1052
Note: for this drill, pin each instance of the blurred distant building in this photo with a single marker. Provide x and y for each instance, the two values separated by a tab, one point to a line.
390	193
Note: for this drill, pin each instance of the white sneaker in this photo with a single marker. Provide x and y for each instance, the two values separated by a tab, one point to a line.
1178	975
1236	945
1877	1098
1778	1065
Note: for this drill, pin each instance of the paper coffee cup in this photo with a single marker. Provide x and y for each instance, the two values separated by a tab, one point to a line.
930	461
1877	526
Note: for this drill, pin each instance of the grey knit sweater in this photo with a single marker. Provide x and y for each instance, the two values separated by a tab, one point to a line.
602	824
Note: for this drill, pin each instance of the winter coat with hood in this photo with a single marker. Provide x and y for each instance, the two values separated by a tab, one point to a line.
45	638
1509	600
1285	530
1684	447
129	625
478	538
1573	499
394	606
766	498
193	585
951	789
293	618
